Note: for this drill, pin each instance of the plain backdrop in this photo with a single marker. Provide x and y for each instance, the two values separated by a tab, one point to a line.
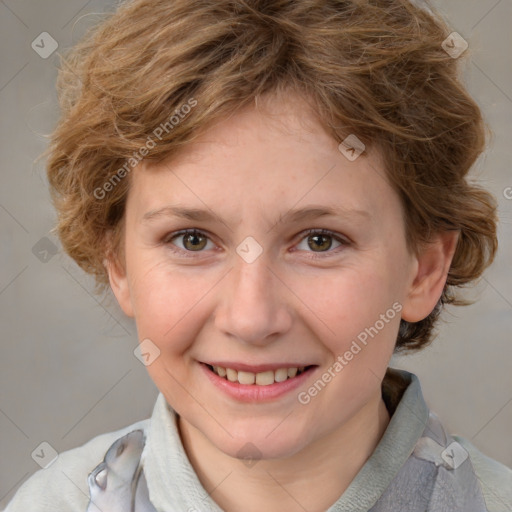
67	368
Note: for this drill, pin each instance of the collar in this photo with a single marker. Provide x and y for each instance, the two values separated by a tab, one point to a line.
174	485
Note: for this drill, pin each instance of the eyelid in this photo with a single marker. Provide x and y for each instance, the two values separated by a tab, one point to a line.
167	240
343	240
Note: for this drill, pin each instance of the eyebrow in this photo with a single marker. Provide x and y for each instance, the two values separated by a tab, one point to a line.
293	216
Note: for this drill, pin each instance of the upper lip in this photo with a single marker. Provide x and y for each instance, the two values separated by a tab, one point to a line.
256	368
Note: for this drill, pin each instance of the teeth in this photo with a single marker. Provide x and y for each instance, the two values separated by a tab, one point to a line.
260	379
281	375
246	377
292	372
232	375
264	378
220	371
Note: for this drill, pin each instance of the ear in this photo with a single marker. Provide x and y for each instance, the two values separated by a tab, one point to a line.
431	271
118	280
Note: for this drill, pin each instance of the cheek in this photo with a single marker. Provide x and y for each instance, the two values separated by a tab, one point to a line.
347	302
360	314
167	303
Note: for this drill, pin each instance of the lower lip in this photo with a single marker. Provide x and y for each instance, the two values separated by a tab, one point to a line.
253	392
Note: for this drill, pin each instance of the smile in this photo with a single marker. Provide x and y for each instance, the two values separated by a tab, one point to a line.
259	379
257	383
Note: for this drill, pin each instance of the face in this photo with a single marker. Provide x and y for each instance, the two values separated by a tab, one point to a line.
255	286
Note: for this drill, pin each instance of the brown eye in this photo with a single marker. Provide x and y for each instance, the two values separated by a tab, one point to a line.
322	242
194	241
191	240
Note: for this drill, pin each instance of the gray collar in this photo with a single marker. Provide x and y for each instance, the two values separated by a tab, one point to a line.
172	481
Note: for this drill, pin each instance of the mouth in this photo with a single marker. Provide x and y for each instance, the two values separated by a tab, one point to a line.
257	384
261	378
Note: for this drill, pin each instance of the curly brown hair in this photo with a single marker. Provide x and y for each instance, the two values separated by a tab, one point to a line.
374	68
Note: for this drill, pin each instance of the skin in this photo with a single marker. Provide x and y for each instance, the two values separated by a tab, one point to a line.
250	170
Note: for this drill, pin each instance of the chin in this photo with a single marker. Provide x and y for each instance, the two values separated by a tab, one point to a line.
257	442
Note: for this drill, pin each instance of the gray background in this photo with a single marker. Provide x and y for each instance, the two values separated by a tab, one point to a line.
67	369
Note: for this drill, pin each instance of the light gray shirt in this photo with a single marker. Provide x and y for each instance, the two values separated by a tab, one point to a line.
416	466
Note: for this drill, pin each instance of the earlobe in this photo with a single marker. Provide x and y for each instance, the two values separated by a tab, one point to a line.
431	271
119	283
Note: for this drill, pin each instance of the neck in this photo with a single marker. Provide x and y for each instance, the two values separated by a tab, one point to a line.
312	479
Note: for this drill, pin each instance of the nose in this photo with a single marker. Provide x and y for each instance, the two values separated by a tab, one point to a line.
253	305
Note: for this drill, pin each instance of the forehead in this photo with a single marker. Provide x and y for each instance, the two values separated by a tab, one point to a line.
263	162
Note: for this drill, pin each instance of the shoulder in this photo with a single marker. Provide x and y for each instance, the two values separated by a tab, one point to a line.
63	485
495	478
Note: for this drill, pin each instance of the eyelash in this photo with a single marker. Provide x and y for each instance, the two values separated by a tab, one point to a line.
344	242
